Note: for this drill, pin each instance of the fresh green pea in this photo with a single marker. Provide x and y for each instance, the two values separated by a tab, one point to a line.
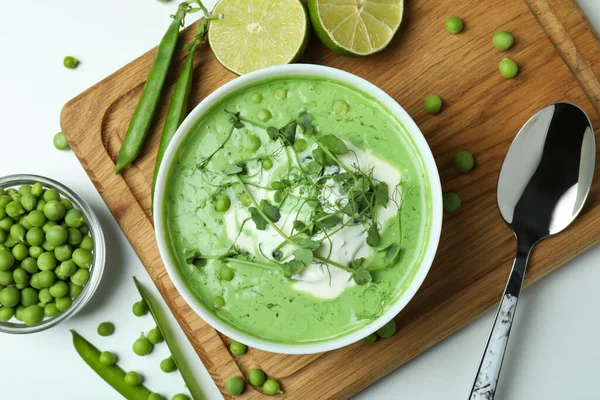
7	260
48	225
74	236
264	115
20	252
45	296
83	258
28	201
6	278
107	359
180	396
142	346
341	108
387	330
218	302
54	210
12	191
372	338
84	229
62	303
6	313
222	203
300	145
245	198
271	386
6	223
60	142
451	202
9	243
47	246
16	196
46	278
22	286
30	265
75	290
35	236
36	218
25	223
281	94
29	296
74	218
59	289
70	62
51	310
67	203
46	261
40	205
235	385
168	365
33	315
37	189
10	296
51	195
4	200
36	251
502	40
63	253
24	189
67	268
34	281
257	377
140	308
20	276
267	164
226	273
464	161
257	98
433	104
81	276
106	329
237	348
254	143
17	233
454	25
87	243
155	336
133	378
14	209
508	69
19	312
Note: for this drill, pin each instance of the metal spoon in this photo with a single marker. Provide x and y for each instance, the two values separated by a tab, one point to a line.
543	183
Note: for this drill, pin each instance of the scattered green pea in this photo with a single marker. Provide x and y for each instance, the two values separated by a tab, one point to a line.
267	164
222	203
235	385
168	365
271	386
464	161
155	336
33	315
454	25
300	145
257	377
264	115
218	302
387	330
257	98
237	348
133	378
246	199
433	104
142	346
254	143
508	69
108	358
70	62
502	40
140	308
6	313
451	202
341	108
226	273
106	329
281	94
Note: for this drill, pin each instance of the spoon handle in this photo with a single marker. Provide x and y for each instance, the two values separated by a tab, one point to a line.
486	381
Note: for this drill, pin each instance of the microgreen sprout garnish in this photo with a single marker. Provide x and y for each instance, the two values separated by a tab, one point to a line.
323	191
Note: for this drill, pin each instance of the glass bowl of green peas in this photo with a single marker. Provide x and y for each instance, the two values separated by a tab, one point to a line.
52	253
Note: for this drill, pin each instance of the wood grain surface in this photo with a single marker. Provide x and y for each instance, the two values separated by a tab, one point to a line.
559	58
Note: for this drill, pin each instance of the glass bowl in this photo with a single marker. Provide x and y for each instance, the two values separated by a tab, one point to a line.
99	252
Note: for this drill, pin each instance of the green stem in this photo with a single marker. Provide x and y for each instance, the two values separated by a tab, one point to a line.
249	263
331	262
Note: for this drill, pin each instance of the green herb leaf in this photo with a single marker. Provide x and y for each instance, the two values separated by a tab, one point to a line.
292	268
322	158
299	225
373	238
362	276
334	144
270	210
305	123
194	257
305	256
313	168
323	220
308	244
381	195
288	133
357	263
233	170
238	125
259	221
273	132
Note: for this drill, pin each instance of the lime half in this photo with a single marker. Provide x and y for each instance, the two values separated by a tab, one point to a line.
255	34
356	27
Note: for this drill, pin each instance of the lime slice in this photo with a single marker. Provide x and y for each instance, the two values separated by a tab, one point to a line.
356	27
255	34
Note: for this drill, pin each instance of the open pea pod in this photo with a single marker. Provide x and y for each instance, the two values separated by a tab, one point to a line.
176	352
113	375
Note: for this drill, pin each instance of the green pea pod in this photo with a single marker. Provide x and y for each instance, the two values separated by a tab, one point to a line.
169	336
179	101
113	375
144	112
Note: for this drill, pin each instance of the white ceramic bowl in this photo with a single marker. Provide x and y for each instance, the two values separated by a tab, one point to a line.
423	150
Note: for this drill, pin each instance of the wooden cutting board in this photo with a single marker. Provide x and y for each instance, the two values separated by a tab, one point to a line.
559	57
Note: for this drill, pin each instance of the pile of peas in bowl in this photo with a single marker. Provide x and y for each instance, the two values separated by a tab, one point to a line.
52	253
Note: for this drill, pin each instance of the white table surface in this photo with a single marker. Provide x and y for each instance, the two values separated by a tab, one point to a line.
553	350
